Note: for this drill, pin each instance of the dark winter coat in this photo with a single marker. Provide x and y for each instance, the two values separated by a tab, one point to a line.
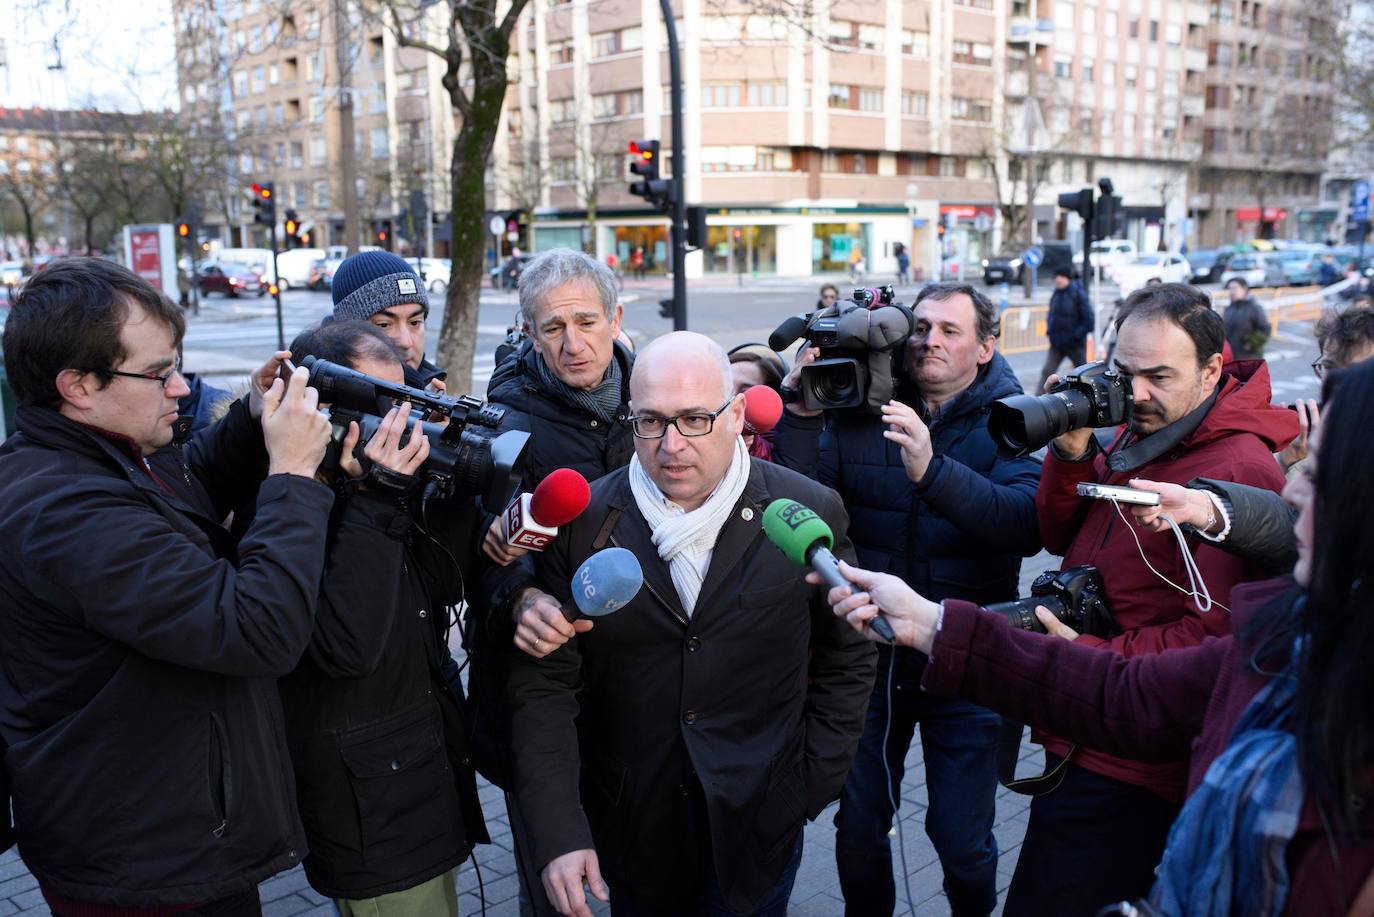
385	786
959	533
1182	705
1071	317
758	698
1247	329
141	648
1235	441
562	435
1261	524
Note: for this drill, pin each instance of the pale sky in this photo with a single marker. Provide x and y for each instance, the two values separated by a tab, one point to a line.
114	54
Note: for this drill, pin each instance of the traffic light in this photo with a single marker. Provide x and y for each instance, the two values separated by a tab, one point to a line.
293	226
1079	202
657	191
264	204
183	230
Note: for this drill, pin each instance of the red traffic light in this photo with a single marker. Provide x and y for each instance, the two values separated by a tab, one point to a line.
257	188
381	235
646	151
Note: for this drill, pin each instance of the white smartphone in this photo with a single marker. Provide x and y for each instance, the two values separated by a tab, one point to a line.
1119	494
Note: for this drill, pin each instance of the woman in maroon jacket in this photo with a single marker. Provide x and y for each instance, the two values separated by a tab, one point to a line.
1278	720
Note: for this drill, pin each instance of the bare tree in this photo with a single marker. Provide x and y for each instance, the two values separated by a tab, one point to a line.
473	41
31	194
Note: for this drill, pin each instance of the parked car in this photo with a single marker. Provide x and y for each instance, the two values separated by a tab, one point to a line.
1257	269
1208	263
1108	253
321	275
231	279
255	259
1156	267
1006	266
1299	265
436	273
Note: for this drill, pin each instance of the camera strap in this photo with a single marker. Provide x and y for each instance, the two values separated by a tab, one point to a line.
1143	451
1009	734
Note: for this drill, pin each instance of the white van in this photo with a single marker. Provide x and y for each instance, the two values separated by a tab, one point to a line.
293	266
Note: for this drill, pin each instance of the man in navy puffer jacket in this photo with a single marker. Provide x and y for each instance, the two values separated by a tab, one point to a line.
931	501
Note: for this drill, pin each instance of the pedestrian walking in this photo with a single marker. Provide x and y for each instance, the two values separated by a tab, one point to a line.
1071	320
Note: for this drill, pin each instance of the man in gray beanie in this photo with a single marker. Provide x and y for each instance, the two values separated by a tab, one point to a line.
383	289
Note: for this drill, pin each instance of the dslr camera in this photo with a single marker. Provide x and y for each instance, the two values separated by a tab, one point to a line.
861	344
1074	596
467	457
1091	395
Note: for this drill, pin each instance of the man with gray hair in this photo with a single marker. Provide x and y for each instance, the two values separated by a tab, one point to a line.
567	385
719	709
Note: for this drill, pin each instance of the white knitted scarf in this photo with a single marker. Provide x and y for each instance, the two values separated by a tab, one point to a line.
685	540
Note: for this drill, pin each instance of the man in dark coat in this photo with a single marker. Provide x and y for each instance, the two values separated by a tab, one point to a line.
1070	321
1247	324
138	701
386	790
678	745
933	503
567	385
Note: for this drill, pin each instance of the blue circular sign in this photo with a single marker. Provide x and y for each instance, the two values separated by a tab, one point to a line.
1032	257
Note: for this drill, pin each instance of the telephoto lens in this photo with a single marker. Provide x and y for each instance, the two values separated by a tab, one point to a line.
1091	395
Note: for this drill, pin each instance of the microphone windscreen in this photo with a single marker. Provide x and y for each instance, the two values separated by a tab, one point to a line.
762	409
606	582
793	528
560	498
787	333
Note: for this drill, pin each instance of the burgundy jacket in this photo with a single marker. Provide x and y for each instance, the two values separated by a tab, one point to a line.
1169	706
1235	442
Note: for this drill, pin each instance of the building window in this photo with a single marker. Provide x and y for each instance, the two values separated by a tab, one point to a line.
560	52
1173	34
839	96
563	169
322	194
975	4
240	84
870	100
915	44
614	104
273	74
610	166
830	161
914	104
970	109
260	117
379	143
259	80
767	95
871	38
1085	70
297	154
843	33
720	95
312	68
1154	30
1109	24
1063	66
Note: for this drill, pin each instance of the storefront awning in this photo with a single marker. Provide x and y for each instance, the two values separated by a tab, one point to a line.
1251	214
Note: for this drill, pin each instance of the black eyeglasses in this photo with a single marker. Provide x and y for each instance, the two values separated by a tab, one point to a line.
693	423
1321	366
162	380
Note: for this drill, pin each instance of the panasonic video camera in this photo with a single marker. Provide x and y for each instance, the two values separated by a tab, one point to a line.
861	343
467	457
1091	395
1074	596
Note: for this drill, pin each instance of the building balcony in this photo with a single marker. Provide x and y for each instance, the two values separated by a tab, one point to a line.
1195	59
1198	13
1194	106
1016	85
1027	30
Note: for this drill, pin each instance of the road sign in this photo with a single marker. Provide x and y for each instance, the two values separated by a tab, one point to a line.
982	222
1032	257
496	225
1359	202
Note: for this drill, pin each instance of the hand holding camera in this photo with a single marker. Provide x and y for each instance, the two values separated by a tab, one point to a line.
389	449
1088	397
294	431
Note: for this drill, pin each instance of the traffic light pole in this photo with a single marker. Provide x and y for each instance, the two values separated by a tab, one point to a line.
276	282
679	216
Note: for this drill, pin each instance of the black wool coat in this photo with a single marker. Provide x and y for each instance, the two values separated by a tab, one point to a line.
745	714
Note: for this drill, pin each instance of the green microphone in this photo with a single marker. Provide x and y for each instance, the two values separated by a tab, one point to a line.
805	539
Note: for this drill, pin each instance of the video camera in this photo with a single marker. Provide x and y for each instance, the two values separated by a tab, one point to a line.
1091	395
861	343
1074	596
466	456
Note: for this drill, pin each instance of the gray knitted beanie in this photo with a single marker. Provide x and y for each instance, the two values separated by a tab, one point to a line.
369	282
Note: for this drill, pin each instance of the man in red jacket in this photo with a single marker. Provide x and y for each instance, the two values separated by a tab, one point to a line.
1109	818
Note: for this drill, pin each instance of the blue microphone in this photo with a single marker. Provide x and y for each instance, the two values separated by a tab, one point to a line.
604	583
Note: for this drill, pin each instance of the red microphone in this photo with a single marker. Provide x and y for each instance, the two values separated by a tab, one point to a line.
532	520
762	409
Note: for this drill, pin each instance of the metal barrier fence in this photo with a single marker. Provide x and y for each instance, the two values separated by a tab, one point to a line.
1024	328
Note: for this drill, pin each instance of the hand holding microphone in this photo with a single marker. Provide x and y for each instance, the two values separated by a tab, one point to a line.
532	519
604	583
805	539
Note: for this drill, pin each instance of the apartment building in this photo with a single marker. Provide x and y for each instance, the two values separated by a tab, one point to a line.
1118	88
1268	120
275	75
863	126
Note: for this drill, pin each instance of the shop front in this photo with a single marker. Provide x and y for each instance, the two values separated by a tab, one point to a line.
749	250
834	246
642	249
967	238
